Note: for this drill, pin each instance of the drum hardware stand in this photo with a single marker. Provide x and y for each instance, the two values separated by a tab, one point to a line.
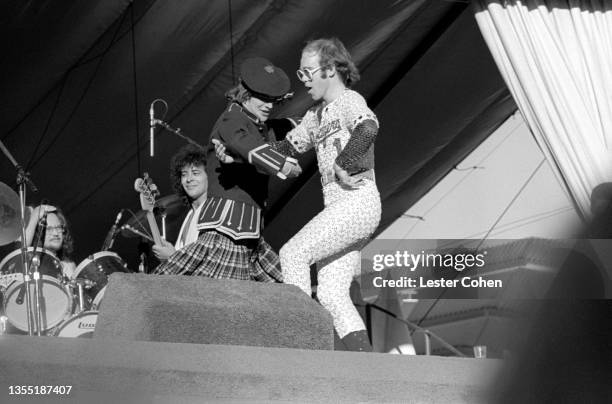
162	214
141	263
79	284
163	217
35	265
3	320
36	276
23	178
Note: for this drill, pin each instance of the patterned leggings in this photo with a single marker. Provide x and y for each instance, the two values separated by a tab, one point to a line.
333	239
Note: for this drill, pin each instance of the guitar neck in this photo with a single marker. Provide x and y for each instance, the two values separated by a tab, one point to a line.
154	228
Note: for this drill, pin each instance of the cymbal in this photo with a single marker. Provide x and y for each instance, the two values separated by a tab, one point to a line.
10	217
171	205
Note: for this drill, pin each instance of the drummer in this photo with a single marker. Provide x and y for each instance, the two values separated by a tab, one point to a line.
56	236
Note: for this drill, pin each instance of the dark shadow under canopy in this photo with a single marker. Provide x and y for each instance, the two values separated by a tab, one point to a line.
78	78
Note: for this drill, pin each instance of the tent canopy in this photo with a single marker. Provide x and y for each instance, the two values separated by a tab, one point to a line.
78	79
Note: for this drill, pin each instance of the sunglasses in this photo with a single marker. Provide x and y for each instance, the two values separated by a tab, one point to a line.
306	74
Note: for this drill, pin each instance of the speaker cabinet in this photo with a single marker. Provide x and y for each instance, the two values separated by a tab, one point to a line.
175	308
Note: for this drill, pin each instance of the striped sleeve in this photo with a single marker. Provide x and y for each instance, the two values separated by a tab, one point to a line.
267	159
245	140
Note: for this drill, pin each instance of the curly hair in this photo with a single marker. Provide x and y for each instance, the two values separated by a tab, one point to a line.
65	253
331	51
186	156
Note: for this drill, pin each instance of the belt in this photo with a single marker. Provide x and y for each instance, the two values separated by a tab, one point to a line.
330	176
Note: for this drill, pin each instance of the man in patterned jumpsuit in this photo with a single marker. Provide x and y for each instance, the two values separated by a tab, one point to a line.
229	244
342	130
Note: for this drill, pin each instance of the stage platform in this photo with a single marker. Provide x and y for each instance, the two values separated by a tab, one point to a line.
106	370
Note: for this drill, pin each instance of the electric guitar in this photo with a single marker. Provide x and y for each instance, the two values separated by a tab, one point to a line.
148	192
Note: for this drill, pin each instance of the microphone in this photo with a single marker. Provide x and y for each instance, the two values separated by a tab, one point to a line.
110	237
42	223
151	127
43	219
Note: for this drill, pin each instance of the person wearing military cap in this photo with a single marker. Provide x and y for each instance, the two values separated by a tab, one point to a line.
342	129
229	243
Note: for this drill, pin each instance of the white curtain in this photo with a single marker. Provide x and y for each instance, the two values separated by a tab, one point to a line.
556	58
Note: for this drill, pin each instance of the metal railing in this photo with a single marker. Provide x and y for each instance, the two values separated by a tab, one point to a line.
428	334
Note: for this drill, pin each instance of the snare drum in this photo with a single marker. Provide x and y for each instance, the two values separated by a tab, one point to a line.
55	303
97	268
80	326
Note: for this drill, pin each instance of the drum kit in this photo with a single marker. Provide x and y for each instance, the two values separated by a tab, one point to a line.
35	297
67	307
51	304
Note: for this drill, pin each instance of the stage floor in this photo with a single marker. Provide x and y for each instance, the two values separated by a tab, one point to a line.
99	370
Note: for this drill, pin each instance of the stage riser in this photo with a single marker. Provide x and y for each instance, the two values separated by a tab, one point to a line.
176	372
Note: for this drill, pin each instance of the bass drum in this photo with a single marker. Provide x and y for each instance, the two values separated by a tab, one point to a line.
56	303
80	326
95	270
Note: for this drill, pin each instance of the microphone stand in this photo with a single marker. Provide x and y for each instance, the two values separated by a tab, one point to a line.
176	131
23	178
36	274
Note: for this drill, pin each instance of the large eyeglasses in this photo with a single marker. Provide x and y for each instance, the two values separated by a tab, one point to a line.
56	229
306	74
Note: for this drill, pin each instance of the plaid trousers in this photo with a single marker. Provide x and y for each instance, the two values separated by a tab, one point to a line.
216	255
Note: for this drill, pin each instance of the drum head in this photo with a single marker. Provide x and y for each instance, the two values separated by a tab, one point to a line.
50	265
105	261
80	326
96	269
55	303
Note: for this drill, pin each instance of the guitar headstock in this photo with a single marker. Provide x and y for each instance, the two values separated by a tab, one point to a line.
148	192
